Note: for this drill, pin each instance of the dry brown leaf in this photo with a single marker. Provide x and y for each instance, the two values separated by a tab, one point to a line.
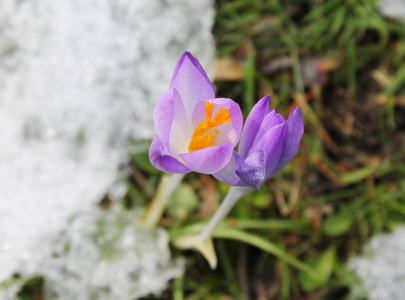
229	68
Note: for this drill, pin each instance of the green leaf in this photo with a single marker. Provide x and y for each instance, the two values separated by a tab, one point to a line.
272	224
183	201
205	247
186	233
399	81
141	160
178	286
265	245
261	200
14	281
31	287
357	175
338	224
322	264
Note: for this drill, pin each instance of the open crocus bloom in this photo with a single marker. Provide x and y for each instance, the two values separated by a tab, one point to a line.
268	143
195	131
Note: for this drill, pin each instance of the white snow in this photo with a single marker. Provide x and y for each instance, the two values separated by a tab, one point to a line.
77	79
394	9
382	267
105	255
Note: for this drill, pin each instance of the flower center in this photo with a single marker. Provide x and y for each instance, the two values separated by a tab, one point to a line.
203	136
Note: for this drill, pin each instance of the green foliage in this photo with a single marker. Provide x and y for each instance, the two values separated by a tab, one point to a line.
31	288
338	224
322	264
141	159
182	203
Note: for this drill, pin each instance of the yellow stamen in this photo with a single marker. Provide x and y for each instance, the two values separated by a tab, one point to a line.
202	136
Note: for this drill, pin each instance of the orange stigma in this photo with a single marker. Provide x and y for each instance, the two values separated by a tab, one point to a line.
203	137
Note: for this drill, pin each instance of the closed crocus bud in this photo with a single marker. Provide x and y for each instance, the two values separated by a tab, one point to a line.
268	143
195	131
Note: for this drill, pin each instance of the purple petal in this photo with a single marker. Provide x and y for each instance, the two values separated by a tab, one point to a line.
161	160
272	144
270	121
163	116
191	81
227	174
252	125
296	130
180	128
208	160
253	170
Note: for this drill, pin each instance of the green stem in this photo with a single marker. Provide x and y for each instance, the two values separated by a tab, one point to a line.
234	194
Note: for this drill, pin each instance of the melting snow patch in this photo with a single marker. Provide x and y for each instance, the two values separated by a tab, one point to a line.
394	9
382	269
104	255
77	79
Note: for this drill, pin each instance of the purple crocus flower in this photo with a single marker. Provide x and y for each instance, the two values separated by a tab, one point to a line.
195	131
268	143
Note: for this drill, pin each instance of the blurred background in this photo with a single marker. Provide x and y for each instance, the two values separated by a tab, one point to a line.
78	83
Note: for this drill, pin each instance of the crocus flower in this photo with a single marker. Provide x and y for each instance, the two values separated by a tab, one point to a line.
195	131
268	143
